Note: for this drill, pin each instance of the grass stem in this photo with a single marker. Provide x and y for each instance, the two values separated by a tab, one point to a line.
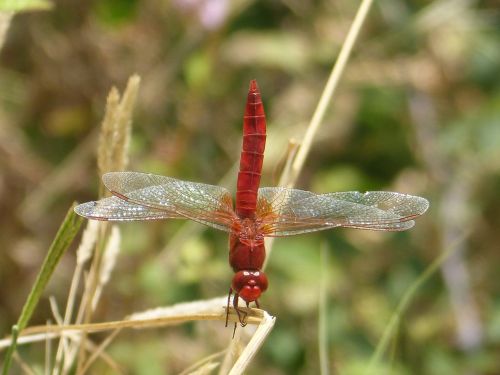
405	301
67	231
329	90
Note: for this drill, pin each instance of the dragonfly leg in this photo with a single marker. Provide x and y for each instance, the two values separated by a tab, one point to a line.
242	315
257	304
234	329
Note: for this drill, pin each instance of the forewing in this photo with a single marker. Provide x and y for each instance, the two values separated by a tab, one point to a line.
287	212
207	204
116	209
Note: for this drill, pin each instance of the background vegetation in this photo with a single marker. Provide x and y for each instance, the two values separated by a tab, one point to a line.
417	111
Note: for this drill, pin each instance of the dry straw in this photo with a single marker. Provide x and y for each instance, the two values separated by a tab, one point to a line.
212	309
108	262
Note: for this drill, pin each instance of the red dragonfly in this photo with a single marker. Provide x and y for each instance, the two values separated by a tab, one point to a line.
258	212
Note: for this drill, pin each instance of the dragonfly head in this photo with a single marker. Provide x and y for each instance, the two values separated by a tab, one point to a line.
249	284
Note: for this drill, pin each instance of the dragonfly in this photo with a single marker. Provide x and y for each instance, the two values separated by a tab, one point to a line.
257	212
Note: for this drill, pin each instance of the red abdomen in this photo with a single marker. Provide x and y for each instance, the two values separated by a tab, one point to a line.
252	154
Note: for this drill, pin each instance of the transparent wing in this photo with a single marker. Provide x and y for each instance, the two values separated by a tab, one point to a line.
287	212
165	197
116	209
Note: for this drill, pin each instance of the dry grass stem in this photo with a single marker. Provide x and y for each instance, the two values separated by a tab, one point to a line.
99	351
293	148
84	299
296	158
286	174
39	333
258	338
48	353
116	128
73	336
89	346
203	362
207	368
87	243
329	90
108	262
213	309
124	121
106	136
27	339
210	306
24	366
55	310
137	324
83	254
92	348
233	351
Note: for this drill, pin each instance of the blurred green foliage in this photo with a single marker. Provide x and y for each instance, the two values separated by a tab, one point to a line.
23	5
417	111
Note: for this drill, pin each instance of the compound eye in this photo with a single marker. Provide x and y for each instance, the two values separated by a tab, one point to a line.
249	284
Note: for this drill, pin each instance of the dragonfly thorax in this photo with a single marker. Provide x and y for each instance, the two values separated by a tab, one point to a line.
250	233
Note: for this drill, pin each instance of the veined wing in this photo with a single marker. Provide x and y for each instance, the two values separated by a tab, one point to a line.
207	204
116	209
287	212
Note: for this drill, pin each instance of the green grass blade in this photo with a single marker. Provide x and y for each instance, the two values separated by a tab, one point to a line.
67	231
405	301
24	5
323	311
11	350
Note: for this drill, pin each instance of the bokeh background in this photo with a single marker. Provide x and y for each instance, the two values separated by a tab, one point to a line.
417	111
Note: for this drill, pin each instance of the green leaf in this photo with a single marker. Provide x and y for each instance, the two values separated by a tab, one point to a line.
67	231
24	5
11	350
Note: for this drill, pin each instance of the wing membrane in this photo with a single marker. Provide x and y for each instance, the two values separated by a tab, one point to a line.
116	209
162	197
287	212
